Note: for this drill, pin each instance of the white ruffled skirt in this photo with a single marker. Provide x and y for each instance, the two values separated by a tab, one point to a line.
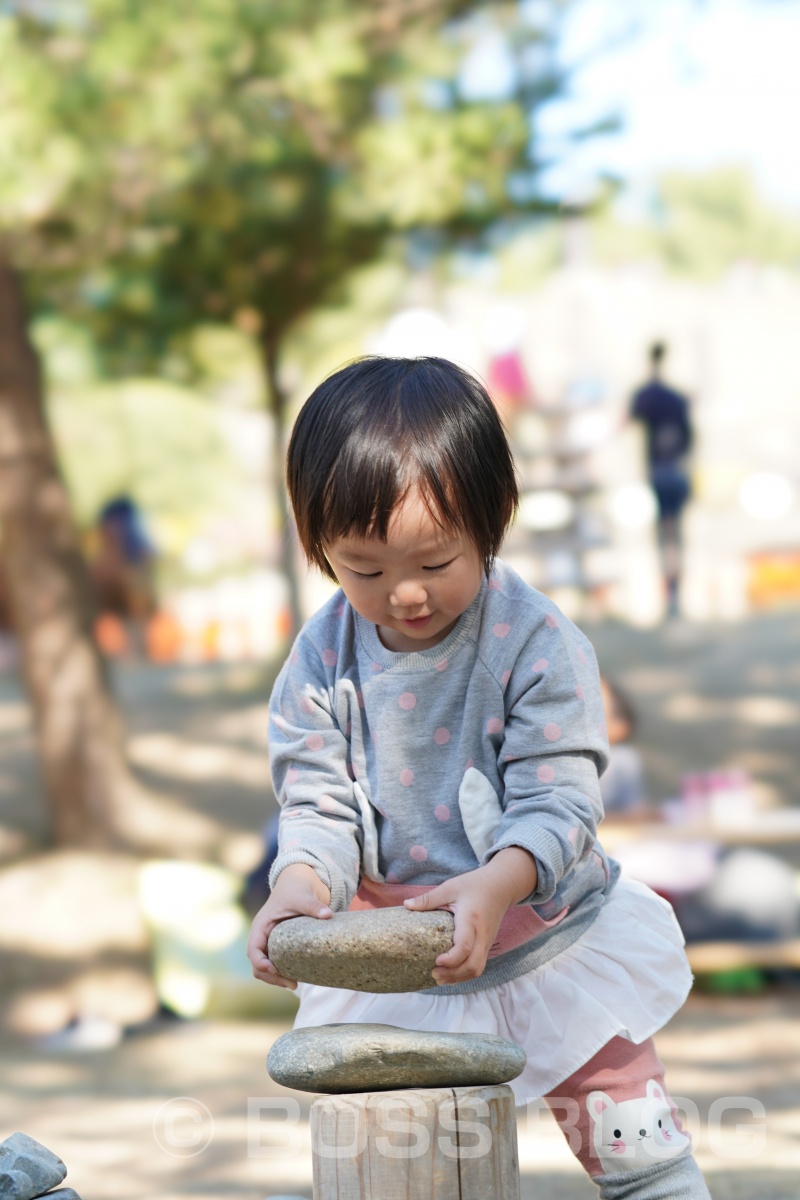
624	977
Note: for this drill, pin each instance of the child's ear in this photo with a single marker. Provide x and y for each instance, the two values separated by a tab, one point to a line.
597	1103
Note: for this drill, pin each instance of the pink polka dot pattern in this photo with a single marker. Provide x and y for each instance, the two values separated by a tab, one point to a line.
442	736
315	741
330	657
581	656
356	770
470	763
442	812
541	664
289	814
376	667
501	630
573	835
407	701
295	657
504	678
341	609
392	877
545	773
552	731
307	705
495	584
418	853
579	692
551	621
292	775
494	725
442	666
406	777
327	803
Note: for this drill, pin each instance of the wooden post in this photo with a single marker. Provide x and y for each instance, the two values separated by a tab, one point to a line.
429	1143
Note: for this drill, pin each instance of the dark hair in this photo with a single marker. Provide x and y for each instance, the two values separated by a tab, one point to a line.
658	352
380	426
621	706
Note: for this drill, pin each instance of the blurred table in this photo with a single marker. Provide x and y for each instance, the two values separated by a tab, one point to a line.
776	828
764	828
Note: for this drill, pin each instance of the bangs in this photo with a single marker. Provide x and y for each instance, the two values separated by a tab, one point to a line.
381	427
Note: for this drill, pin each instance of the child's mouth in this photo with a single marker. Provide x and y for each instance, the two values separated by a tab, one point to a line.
417	622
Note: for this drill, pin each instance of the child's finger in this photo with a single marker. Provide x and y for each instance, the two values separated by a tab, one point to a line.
438	897
268	974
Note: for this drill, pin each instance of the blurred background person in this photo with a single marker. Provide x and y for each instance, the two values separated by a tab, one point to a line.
122	568
622	783
664	412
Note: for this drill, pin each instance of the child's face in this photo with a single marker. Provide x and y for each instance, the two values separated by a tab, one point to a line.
416	584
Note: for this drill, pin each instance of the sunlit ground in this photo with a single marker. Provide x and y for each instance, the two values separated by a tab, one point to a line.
191	1113
73	938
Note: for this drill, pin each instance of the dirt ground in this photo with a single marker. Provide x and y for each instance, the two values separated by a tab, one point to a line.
185	1108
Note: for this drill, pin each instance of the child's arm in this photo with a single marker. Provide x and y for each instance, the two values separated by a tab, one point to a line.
321	822
298	892
479	901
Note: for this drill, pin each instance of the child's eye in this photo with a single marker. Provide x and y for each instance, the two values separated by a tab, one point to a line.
440	566
361	575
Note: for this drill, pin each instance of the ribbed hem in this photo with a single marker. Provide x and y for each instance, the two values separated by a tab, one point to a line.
545	848
334	884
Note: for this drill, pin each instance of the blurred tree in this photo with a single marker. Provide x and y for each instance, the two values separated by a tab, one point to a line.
702	224
224	160
78	727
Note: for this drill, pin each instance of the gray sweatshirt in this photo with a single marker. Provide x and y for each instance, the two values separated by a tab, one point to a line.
396	771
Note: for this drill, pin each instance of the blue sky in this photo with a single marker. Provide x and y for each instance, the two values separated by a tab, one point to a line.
697	83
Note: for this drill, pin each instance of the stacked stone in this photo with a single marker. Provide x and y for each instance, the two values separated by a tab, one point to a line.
28	1169
368	1070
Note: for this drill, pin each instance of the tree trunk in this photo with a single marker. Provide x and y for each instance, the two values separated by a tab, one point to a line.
79	731
277	402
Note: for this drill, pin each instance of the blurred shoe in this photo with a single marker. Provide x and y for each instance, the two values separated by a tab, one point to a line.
85	1033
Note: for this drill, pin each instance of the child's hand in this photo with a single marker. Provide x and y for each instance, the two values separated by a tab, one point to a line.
479	901
298	892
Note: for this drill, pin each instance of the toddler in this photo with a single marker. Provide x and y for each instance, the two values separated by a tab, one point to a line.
436	738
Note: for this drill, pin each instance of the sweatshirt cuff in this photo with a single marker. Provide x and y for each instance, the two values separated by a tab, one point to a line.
334	883
545	848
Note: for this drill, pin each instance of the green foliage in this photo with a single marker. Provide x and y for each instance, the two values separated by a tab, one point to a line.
152	440
230	161
702	224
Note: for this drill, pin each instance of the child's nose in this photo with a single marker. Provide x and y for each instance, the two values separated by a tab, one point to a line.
408	592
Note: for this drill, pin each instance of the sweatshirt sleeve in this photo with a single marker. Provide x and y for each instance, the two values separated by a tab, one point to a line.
320	821
552	750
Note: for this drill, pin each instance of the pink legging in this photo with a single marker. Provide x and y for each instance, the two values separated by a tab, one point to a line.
615	1111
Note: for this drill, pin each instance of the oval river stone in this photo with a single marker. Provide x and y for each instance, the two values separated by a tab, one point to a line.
370	950
377	1058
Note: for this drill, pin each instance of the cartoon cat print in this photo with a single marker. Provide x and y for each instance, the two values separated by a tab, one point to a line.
634	1133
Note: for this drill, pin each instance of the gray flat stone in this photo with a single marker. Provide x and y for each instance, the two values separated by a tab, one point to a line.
64	1194
27	1168
374	950
377	1058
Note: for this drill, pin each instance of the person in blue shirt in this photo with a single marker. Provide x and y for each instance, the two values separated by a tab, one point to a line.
664	412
